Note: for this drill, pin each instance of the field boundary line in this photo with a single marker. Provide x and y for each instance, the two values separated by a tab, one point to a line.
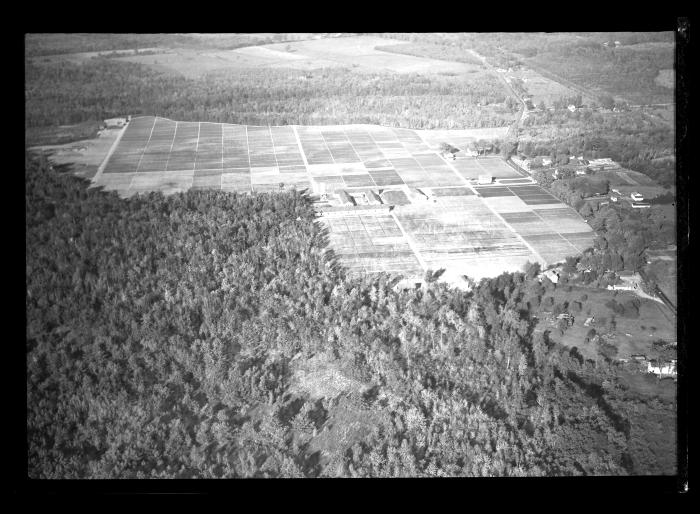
222	149
411	242
274	152
105	161
303	155
172	143
250	170
131	183
353	147
543	262
456	172
569	243
196	148
329	149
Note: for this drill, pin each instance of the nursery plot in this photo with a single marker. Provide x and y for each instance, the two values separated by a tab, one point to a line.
564	220
463	235
370	242
235	180
359	180
508	204
386	178
478	231
491	191
452	191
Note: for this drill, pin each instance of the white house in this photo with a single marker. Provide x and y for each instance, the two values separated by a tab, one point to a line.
470	152
603	164
572	107
662	368
551	274
637	197
485	178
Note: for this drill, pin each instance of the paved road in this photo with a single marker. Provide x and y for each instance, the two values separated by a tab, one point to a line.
513	129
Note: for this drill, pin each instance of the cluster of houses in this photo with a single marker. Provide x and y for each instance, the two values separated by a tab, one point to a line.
637	199
582	164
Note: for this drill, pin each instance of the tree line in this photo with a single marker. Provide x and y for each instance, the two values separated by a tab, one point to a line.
66	93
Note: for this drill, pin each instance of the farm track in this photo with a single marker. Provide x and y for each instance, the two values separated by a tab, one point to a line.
517	124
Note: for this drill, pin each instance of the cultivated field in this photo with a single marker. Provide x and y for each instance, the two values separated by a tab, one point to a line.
430	214
541	88
631	335
356	52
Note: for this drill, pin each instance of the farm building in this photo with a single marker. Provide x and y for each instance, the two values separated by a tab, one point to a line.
572	107
373	198
470	152
345	198
637	197
602	164
551	274
641	205
658	367
485	178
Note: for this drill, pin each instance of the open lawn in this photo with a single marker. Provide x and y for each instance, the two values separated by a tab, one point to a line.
81	157
630	336
541	88
356	52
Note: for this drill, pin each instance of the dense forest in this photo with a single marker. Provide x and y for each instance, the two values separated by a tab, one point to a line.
65	93
166	337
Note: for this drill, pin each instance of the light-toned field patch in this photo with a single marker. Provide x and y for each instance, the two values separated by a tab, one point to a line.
86	152
666	78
